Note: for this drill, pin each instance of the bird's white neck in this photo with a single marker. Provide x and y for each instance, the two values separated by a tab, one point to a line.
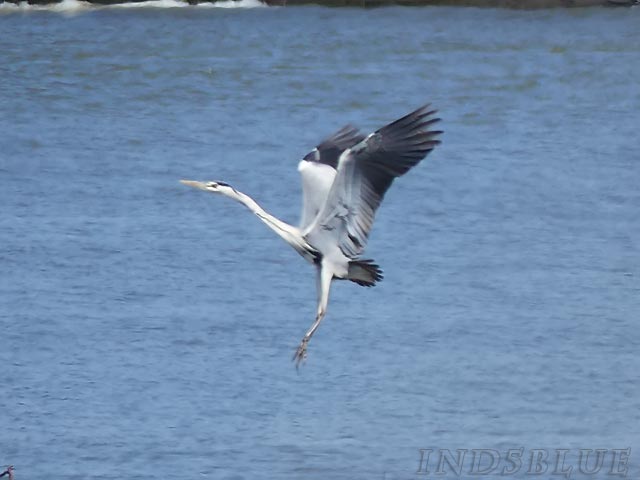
289	233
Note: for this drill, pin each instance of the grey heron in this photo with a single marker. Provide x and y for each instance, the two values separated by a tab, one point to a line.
344	179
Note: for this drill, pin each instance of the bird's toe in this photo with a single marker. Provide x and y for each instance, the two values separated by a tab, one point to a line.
300	354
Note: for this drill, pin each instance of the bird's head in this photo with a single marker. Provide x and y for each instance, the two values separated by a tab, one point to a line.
213	187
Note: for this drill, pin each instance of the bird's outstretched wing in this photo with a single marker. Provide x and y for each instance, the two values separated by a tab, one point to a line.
318	170
364	174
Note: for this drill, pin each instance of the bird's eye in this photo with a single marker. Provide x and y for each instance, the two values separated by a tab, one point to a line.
222	184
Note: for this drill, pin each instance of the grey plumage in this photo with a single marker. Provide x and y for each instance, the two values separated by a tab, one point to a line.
344	180
329	150
365	173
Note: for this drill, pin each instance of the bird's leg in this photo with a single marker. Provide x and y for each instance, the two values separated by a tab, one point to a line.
301	351
323	284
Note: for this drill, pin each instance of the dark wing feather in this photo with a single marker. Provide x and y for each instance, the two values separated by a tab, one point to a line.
364	175
329	150
318	170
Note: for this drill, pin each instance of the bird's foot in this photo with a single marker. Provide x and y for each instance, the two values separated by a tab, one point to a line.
301	352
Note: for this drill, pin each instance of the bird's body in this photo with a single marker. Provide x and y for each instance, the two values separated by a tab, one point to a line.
344	180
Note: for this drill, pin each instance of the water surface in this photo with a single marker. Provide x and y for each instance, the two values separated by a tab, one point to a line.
147	328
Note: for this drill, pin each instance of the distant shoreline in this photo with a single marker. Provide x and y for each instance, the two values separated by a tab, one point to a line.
509	4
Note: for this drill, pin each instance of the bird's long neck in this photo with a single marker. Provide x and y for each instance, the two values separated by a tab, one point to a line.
289	233
274	223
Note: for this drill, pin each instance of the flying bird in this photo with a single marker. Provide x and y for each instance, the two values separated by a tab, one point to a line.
344	179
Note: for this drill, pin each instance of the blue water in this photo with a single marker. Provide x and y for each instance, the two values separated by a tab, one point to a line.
146	329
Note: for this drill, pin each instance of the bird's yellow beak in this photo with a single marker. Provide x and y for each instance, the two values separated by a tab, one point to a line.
194	184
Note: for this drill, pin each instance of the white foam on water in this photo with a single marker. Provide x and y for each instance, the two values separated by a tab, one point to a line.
66	6
150	4
69	6
76	6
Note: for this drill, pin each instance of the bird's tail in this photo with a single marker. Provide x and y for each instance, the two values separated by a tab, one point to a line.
364	272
